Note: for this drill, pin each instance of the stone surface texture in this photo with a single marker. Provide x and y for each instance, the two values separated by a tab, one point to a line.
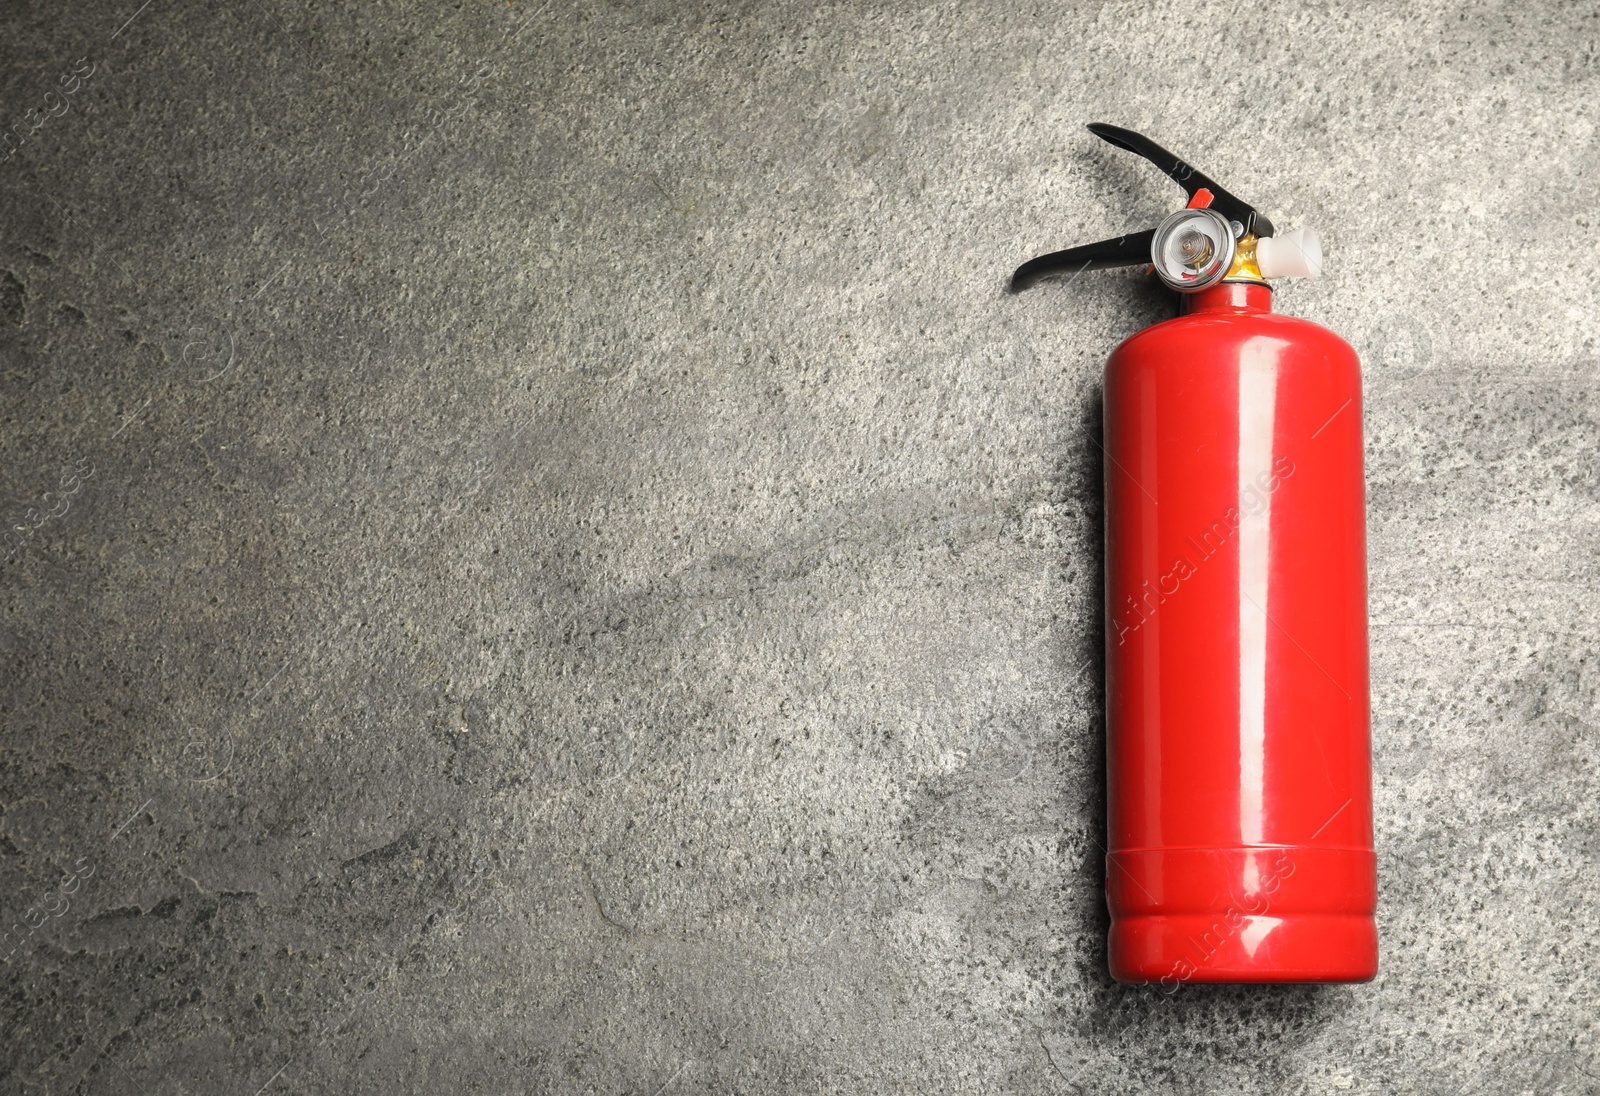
551	563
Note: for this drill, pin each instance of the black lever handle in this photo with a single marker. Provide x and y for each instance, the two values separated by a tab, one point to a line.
1187	176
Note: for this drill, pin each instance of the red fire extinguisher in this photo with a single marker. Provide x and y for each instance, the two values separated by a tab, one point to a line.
1239	837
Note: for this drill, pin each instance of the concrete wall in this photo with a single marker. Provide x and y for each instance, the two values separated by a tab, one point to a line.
574	577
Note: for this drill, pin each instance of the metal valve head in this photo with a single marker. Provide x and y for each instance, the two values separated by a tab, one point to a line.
1190	250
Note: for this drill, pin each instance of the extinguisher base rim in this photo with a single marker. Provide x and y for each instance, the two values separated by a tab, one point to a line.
1203	949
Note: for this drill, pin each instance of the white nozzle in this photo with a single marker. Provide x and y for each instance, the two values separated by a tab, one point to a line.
1296	254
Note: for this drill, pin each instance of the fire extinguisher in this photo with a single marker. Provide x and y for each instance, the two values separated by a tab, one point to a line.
1239	832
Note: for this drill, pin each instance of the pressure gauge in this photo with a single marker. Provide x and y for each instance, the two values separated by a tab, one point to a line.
1193	249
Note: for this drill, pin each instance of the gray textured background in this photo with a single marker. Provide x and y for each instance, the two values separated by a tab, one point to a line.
588	585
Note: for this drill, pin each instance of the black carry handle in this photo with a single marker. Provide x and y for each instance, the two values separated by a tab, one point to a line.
1126	250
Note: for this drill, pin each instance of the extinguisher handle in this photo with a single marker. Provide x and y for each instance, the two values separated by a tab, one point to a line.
1128	250
1187	176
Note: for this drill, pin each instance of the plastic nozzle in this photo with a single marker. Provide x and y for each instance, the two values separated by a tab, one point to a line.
1296	254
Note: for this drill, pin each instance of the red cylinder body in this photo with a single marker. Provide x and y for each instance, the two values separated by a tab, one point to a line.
1238	757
